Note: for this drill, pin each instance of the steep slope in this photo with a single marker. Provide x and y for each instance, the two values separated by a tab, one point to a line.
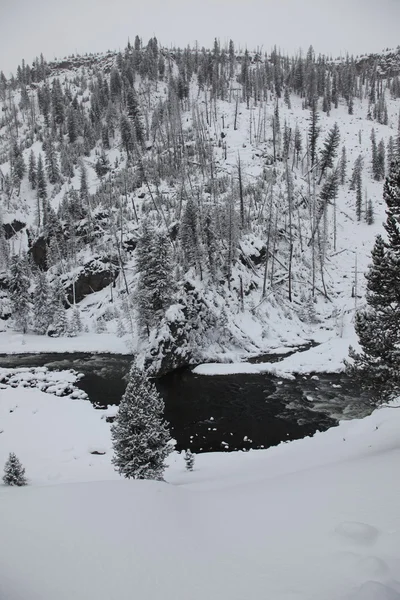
205	148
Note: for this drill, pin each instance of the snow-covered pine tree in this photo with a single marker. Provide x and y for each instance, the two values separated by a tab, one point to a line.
377	366
343	166
19	293
14	472
140	434
328	152
53	169
59	324
42	307
75	323
32	175
155	283
189	460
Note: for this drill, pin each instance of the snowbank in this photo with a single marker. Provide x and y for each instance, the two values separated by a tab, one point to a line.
17	343
328	357
311	519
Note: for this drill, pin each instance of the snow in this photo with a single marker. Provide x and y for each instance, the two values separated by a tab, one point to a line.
310	519
17	343
327	357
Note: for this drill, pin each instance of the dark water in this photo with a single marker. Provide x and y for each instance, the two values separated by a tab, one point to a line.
221	412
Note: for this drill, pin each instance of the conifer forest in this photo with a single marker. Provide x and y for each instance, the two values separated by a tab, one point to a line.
194	202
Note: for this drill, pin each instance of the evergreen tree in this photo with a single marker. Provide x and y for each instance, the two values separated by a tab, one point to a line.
359	197
377	366
343	166
32	174
189	460
14	472
139	433
19	293
41	180
313	131
75	324
357	171
53	170
59	324
369	215
375	162
328	152
41	304
380	161
154	287
189	235
18	164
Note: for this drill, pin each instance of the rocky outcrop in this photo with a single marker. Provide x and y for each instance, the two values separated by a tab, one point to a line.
94	276
38	251
12	228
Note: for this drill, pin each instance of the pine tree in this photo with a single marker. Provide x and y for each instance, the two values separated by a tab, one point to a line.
53	169
41	180
359	198
59	324
189	235
75	324
328	152
154	287
32	174
19	293
369	215
189	460
14	472
377	366
357	172
343	166
380	161
18	164
139	433
313	131
42	306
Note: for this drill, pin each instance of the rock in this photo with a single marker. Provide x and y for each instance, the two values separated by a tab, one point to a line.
38	251
94	276
12	228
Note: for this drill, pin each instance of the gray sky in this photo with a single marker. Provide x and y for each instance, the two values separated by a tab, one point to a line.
61	27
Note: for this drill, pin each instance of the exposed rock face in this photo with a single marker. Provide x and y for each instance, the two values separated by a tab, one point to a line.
94	276
12	228
38	251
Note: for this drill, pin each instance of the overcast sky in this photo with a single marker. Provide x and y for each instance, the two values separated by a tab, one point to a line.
58	28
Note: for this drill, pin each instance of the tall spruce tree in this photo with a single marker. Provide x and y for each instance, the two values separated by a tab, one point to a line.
139	433
313	131
154	287
377	366
19	293
328	152
32	174
42	306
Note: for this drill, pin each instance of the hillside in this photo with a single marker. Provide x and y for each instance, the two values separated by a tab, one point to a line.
183	209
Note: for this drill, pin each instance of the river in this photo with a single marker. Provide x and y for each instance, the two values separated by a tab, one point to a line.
221	412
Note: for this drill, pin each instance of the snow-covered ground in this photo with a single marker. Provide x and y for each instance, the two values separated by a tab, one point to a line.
310	519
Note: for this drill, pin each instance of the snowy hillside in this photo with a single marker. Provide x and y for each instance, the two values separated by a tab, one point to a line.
313	518
199	167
